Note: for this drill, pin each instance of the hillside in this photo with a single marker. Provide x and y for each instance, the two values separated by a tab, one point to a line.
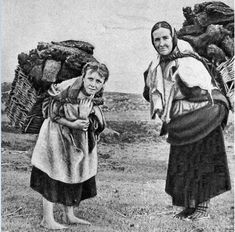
114	101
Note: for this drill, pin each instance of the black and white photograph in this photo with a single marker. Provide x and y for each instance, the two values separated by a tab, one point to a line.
117	116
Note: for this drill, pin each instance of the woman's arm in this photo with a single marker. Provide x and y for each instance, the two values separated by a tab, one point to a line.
146	87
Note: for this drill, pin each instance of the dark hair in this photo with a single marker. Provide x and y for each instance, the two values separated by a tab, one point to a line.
162	24
95	66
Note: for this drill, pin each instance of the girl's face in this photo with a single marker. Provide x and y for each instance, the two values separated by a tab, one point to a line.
92	82
162	41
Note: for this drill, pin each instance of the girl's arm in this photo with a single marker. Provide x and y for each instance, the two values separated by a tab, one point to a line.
80	124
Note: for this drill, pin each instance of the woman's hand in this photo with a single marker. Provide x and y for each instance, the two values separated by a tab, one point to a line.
80	124
85	108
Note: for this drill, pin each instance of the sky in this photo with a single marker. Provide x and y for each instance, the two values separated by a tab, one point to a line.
119	30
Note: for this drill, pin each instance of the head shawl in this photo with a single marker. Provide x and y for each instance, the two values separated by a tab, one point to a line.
164	24
180	48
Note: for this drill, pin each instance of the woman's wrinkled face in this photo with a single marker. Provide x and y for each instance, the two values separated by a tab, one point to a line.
93	82
162	41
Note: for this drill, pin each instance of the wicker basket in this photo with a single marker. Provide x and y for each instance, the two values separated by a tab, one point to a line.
24	105
226	70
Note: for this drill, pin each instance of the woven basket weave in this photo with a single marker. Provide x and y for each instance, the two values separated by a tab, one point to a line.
226	70
24	104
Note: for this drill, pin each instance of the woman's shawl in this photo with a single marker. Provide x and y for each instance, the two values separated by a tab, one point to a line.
66	154
186	118
163	87
197	124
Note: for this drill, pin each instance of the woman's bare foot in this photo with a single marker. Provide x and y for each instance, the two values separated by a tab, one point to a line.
53	225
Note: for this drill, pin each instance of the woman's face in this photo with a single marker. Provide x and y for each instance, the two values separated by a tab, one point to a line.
92	82
162	41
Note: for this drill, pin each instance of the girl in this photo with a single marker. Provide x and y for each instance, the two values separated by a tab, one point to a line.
182	93
65	155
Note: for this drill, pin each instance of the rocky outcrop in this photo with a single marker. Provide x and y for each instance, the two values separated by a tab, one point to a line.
54	62
48	63
209	28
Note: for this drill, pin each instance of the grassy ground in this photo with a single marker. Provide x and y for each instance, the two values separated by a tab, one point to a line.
130	182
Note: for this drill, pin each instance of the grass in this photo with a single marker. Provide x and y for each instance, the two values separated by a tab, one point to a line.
130	182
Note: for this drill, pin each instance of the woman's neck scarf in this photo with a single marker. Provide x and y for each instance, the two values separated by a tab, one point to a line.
178	53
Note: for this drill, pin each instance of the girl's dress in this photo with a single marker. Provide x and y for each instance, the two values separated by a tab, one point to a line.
193	110
64	159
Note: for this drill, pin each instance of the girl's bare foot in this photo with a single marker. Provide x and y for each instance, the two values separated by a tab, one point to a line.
53	225
48	220
72	219
75	220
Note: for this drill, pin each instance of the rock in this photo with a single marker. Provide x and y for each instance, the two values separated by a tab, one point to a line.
33	55
66	73
48	63
216	54
228	46
23	58
60	53
42	46
56	52
27	67
24	62
203	19
209	23
51	70
84	46
200	7
110	132
78	60
213	35
207	13
219	8
36	74
190	30
189	16
213	7
230	27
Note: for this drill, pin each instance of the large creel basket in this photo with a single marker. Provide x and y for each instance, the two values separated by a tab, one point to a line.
24	105
226	70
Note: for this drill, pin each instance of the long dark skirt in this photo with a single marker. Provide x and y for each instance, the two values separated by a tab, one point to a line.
198	171
59	192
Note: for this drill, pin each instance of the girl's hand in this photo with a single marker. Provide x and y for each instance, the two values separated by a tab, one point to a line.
85	108
81	124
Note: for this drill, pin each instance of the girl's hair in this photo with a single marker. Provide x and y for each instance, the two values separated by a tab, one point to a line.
95	66
164	24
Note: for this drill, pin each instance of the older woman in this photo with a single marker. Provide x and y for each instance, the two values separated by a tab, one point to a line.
184	95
